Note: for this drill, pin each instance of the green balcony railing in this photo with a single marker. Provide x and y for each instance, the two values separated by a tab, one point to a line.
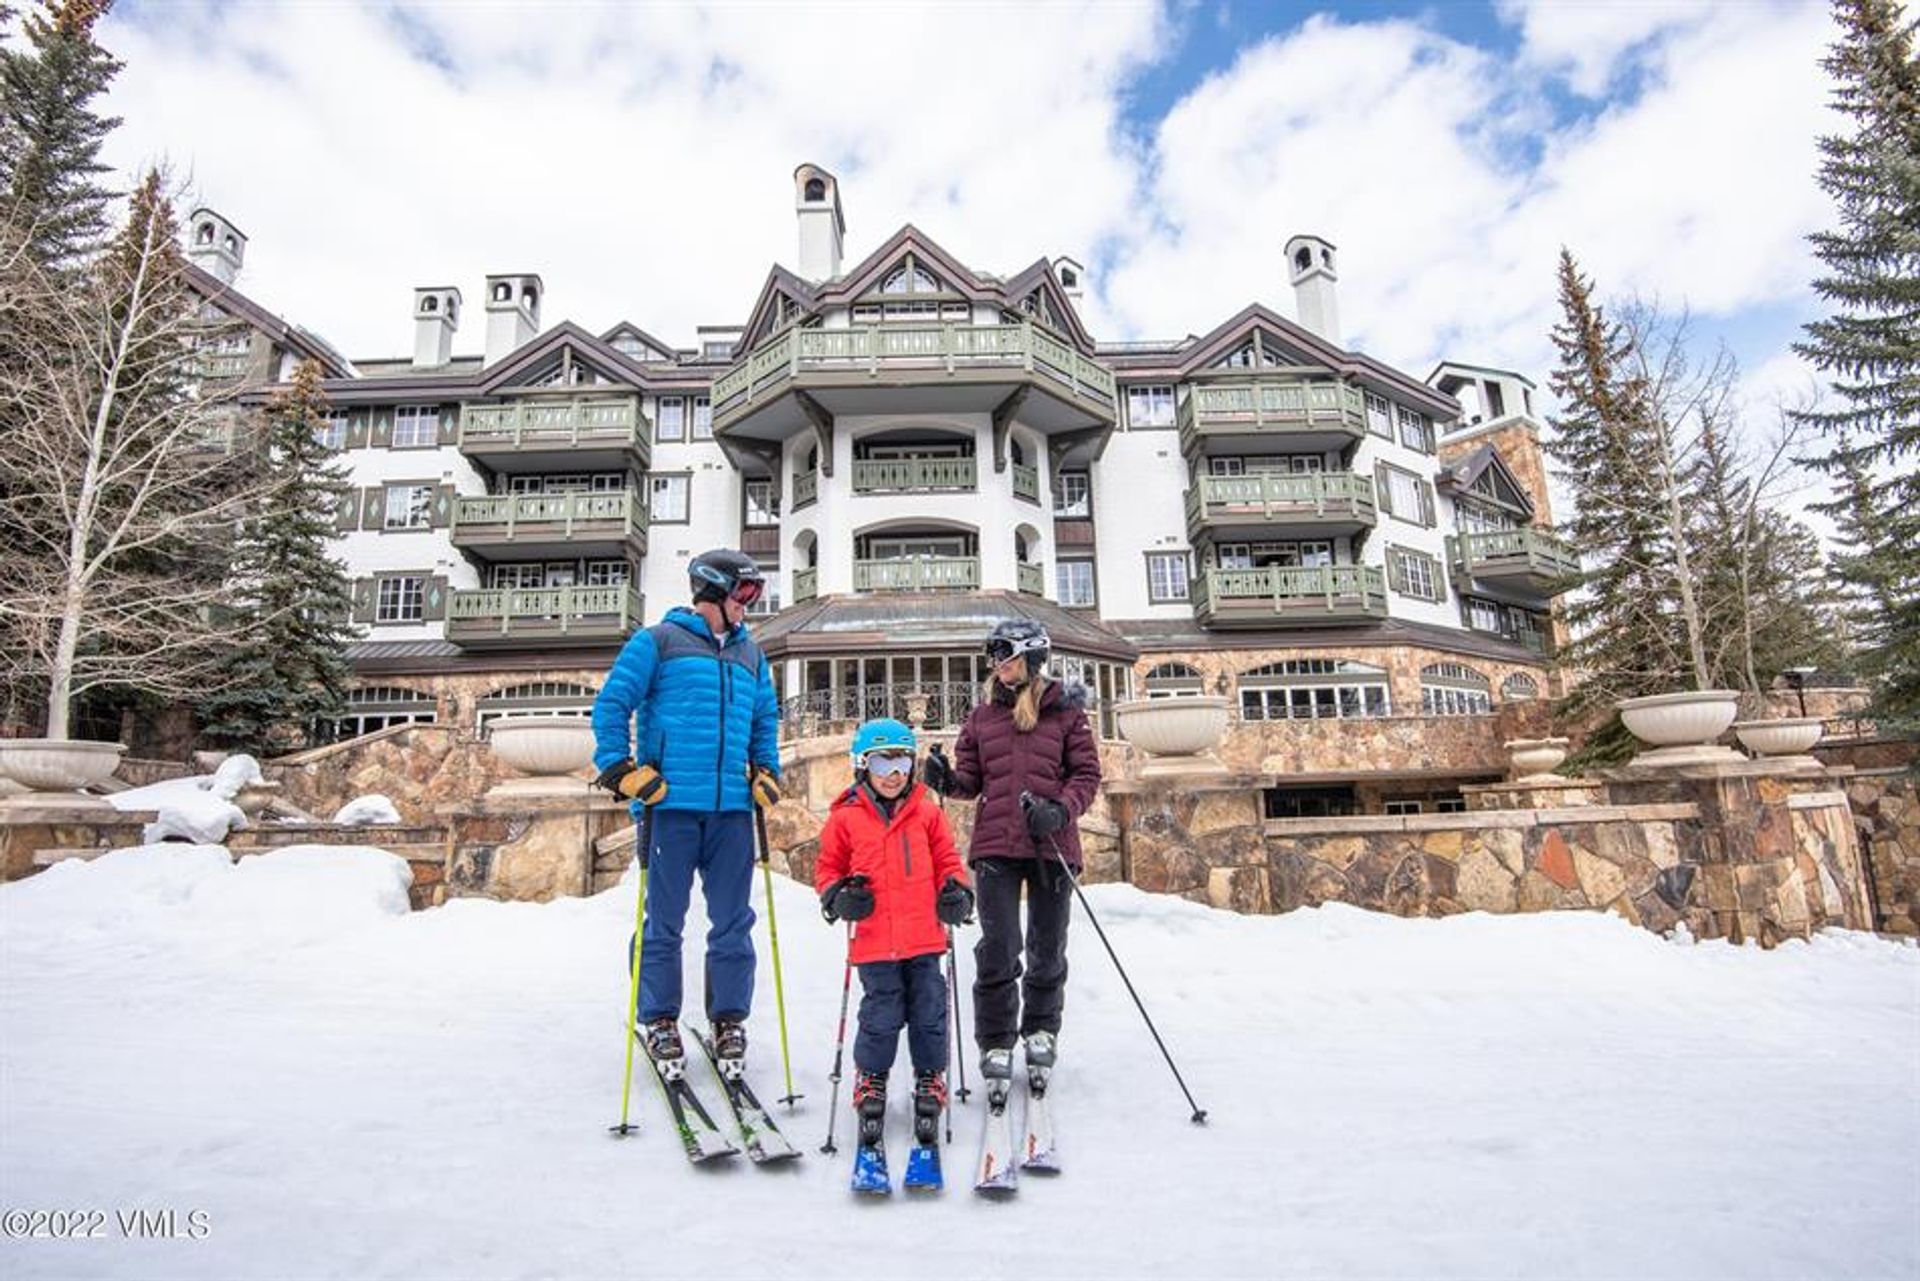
806	584
546	610
1026	482
806	488
917	574
1031	579
1278	496
907	475
1274	404
549	515
1530	553
546	424
1332	590
937	349
223	364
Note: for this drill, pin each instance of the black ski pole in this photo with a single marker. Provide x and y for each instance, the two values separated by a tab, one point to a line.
953	990
1199	1116
953	1033
839	1045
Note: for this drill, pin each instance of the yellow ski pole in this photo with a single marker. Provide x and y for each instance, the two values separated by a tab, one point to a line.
644	851
773	934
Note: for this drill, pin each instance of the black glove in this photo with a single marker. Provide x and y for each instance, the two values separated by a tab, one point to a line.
1044	817
937	770
848	899
955	904
634	782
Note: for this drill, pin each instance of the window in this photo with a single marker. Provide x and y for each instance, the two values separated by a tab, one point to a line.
1496	402
1484	615
1404	495
331	434
540	698
673	419
1415	574
1309	802
416	426
1167	578
702	418
1453	689
1175	680
1401	807
1416	430
763	502
1073	582
1450	805
1518	688
669	505
1379	416
1150	406
409	507
606	573
816	189
909	279
716	349
1478	518
401	600
1314	689
379	706
1072	495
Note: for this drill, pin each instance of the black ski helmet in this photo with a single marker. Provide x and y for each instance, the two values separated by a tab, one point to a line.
717	574
1019	636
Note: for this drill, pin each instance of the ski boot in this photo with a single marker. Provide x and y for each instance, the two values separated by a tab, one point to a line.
730	1048
662	1040
1041	1049
870	1105
929	1100
996	1069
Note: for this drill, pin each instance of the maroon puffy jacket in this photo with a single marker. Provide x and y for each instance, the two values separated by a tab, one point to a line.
1057	759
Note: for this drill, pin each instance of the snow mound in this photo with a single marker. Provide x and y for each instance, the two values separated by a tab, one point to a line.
188	810
304	892
233	774
369	809
125	890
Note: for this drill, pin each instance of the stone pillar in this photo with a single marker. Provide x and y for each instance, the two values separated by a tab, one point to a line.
529	848
34	835
1199	836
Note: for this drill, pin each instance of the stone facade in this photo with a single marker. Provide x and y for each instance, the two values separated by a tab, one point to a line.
421	768
1519	447
1886	810
49	827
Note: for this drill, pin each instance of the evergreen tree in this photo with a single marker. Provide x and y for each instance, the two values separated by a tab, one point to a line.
1869	347
290	628
50	136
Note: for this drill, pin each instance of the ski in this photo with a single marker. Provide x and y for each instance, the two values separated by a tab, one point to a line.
870	1177
997	1174
923	1169
1037	1151
699	1136
764	1142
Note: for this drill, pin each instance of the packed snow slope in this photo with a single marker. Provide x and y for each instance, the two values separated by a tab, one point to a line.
345	1089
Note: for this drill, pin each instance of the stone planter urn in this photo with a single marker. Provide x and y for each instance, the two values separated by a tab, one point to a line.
1791	736
1680	729
917	703
1174	733
1534	759
53	770
549	748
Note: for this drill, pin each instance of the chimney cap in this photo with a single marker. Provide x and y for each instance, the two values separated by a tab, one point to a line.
806	174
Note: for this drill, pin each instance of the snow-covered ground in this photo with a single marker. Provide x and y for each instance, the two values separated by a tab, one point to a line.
346	1089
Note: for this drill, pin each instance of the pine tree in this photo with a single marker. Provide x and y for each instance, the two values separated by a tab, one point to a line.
50	136
290	628
1869	347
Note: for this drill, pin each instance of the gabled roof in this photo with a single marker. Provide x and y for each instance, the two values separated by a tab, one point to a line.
1463	367
931	620
1042	275
871	269
241	307
516	365
765	314
1462	476
627	328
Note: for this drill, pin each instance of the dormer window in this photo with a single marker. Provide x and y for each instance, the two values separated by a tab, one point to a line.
909	279
816	189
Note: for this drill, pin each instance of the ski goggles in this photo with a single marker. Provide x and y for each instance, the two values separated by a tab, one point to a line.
883	764
747	591
1001	649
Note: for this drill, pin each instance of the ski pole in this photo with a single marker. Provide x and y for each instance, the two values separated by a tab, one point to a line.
953	991
643	841
839	1045
1199	1116
773	935
953	1034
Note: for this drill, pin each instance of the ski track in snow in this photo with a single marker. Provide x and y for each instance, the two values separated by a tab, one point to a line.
348	1089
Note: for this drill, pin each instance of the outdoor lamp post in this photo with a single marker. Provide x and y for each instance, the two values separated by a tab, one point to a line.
1797	677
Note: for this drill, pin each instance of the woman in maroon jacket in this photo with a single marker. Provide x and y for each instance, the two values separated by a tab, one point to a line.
1028	753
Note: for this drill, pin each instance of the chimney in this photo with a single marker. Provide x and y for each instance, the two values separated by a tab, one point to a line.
1311	265
215	245
436	314
1072	277
816	196
513	313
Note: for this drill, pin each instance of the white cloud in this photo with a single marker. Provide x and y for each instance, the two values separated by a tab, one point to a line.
1588	43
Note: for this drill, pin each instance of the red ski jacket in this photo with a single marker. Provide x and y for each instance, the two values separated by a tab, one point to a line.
906	861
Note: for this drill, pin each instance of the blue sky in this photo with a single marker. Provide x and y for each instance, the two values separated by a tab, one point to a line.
639	157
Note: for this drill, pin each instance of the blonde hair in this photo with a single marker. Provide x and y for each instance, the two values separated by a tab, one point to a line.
1026	704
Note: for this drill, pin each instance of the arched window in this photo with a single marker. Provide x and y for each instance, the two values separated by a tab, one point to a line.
1519	688
1303	258
503	292
816	189
538	698
1314	689
1454	689
530	296
377	707
1175	680
909	279
206	233
430	304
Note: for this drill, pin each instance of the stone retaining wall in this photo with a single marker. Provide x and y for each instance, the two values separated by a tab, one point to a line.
421	768
1886	810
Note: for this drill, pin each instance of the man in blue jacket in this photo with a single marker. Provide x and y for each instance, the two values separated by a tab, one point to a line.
699	695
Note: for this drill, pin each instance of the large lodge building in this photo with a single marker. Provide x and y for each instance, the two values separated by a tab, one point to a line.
1355	556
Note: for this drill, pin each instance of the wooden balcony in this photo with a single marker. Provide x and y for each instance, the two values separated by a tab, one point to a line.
1026	482
1529	561
806	584
806	488
911	368
917	574
1312	504
1031	579
1283	597
1271	413
914	475
521	526
516	617
581	433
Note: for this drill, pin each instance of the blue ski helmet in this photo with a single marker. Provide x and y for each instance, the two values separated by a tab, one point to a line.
883	736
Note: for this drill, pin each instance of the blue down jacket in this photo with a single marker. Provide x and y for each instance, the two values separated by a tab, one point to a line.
701	711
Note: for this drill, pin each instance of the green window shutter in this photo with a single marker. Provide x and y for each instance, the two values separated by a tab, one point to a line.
347	514
363	596
1426	504
1383	492
449	424
442	514
434	599
357	420
1396	570
381	435
373	507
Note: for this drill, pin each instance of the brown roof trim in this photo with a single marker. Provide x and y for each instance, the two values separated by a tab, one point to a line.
503	371
231	300
762	318
628	327
1459	477
868	270
1155	636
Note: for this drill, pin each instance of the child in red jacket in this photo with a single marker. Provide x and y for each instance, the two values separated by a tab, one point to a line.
887	864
